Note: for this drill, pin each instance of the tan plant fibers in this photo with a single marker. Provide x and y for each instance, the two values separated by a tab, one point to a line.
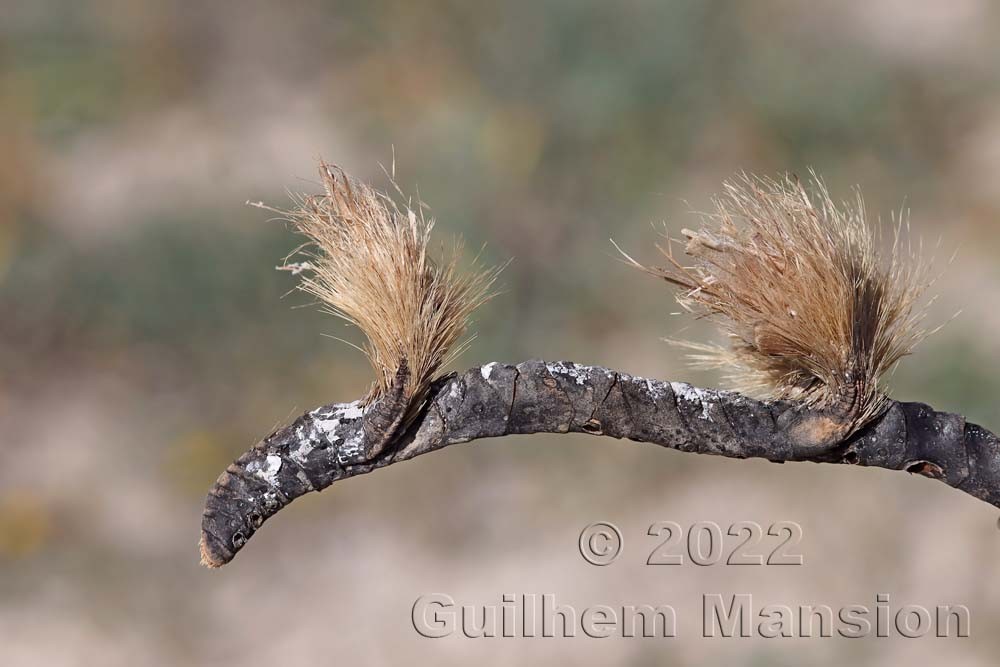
368	262
812	311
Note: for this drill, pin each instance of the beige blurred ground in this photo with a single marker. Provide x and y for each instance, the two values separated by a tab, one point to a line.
144	340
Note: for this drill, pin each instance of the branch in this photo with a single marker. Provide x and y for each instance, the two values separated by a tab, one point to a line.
329	443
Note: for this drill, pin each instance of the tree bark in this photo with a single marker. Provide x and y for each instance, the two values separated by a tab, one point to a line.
322	446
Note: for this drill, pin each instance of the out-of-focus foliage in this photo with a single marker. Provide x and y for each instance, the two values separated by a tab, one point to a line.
145	339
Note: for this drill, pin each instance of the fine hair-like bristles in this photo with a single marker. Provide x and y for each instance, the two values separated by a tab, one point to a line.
367	261
813	311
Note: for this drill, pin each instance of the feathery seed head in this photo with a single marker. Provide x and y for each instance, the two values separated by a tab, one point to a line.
367	261
812	311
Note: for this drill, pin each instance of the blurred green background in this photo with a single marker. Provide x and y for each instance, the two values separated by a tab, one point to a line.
145	339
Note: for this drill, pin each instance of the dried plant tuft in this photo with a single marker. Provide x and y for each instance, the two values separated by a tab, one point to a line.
814	311
367	261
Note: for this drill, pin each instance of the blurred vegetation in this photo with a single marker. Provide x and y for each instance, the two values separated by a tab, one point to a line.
137	291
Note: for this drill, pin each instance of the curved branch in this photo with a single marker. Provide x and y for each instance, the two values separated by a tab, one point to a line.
321	446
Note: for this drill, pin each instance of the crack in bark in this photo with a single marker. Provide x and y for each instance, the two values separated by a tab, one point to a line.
593	426
513	397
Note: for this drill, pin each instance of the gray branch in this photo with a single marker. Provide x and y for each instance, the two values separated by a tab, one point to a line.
330	443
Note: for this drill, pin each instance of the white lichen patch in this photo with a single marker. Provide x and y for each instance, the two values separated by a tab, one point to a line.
326	428
328	423
656	389
693	394
352	410
266	470
579	373
335	425
307	443
302	453
487	370
352	446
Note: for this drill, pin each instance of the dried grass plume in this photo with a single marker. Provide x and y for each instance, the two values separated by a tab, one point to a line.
813	309
367	261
